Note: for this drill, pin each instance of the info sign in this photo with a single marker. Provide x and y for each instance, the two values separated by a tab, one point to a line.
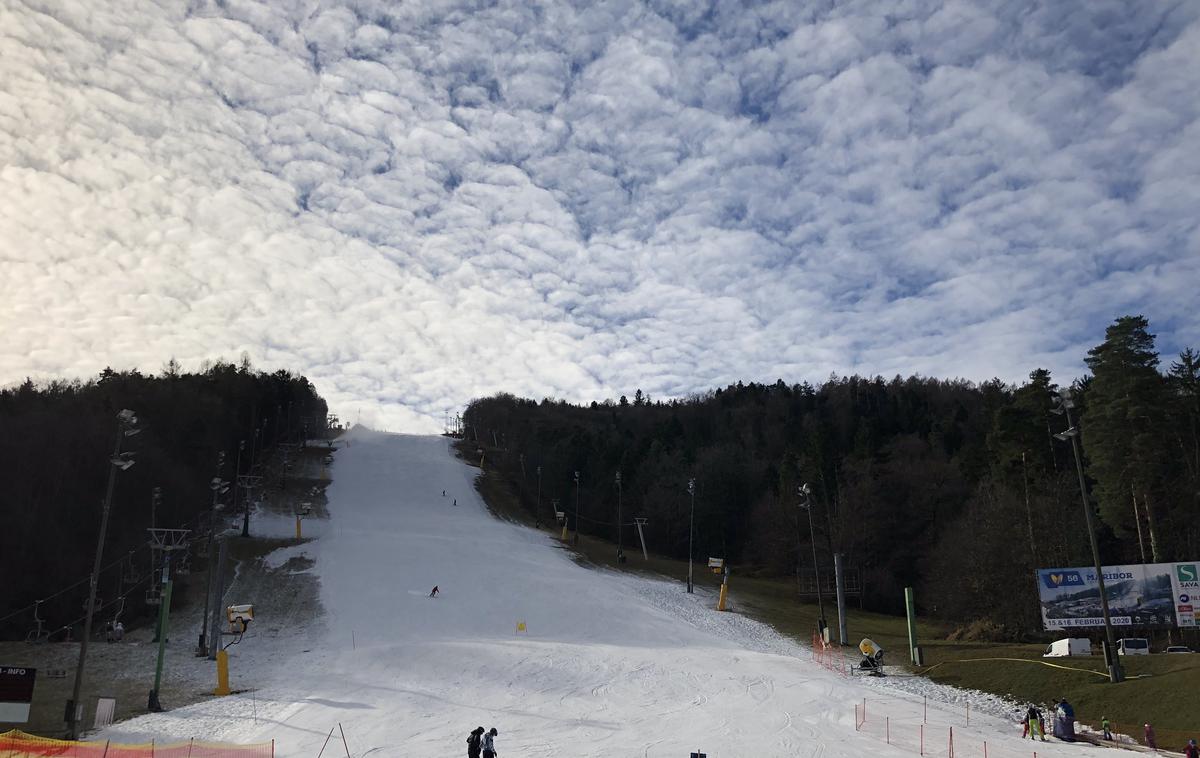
1141	595
16	693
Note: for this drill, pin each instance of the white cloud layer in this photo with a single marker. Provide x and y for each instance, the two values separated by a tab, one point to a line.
417	203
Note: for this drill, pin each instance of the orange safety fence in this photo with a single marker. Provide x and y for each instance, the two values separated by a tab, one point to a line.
18	744
827	655
907	726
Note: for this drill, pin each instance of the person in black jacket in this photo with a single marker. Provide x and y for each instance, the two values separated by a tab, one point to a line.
474	742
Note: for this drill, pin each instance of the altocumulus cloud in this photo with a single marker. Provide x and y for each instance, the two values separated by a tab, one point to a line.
416	203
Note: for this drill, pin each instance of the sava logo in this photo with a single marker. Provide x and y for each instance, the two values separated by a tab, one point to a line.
1055	579
1186	572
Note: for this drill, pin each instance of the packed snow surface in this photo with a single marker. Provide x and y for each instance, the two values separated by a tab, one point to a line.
610	665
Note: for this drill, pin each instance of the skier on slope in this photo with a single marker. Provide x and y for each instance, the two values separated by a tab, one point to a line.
434	592
489	746
473	742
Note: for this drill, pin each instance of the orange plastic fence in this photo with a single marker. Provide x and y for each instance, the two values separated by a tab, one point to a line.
18	744
827	656
909	729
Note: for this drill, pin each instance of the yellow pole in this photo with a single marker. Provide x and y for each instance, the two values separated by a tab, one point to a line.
222	674
564	534
297	527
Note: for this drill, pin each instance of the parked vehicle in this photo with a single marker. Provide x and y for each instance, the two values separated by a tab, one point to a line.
1179	649
1133	646
1069	646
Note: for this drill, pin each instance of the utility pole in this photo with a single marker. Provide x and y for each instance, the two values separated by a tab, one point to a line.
620	551
577	497
1064	404
126	427
538	508
218	487
691	528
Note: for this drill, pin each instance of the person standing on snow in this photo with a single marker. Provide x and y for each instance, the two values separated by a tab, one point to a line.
1191	751
1149	732
489	744
473	742
434	592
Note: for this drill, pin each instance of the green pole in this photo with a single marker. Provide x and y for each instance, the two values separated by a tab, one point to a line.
163	614
910	608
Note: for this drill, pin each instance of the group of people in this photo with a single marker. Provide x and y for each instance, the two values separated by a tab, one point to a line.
1063	726
483	742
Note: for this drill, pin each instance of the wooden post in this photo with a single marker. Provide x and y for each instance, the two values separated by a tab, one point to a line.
922	740
950	753
887	729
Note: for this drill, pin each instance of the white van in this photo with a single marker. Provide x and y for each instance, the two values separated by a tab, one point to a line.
1133	646
1069	646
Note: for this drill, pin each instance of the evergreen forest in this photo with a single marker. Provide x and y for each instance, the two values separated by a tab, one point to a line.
62	439
959	489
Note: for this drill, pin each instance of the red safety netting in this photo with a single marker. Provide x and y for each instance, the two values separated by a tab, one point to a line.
18	744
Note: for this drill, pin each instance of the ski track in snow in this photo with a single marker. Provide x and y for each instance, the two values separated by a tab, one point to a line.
612	664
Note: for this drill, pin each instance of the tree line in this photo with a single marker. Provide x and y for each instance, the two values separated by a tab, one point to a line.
55	449
959	489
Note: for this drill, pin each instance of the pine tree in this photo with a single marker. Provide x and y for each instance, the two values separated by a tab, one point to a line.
1123	423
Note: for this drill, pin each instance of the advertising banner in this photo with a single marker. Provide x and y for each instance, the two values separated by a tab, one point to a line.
16	693
1143	595
1185	582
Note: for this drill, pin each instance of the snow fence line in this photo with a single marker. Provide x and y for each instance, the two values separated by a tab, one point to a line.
18	744
909	729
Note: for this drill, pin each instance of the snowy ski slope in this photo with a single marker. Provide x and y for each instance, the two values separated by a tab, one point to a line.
611	665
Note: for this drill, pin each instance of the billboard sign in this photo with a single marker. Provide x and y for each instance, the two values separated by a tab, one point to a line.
1143	595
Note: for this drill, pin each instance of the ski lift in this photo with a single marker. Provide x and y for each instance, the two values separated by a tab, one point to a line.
184	567
560	516
154	595
36	635
120	609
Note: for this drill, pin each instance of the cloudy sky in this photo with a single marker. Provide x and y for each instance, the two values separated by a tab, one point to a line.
417	203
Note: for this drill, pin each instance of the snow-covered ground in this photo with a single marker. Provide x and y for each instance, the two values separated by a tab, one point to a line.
610	665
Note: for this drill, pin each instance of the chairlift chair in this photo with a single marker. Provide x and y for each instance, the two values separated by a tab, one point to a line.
154	595
36	635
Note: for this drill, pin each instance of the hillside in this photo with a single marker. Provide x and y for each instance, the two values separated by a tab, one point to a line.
610	665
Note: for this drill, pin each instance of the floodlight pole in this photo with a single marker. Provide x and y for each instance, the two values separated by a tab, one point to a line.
126	421
691	529
1114	665
805	494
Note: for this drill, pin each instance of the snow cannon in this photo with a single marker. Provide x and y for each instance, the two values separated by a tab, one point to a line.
872	657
